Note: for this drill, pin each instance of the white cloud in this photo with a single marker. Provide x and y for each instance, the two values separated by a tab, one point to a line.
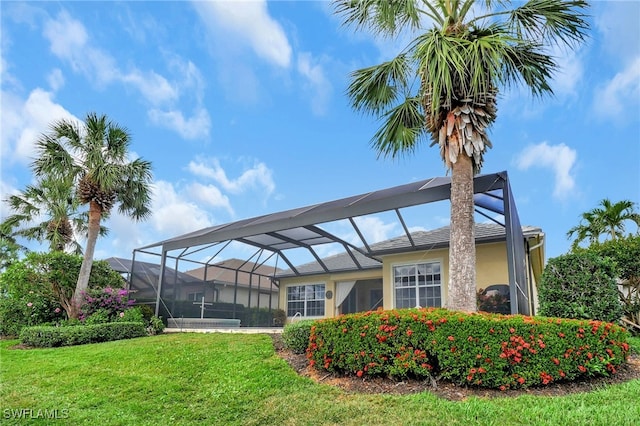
375	230
24	121
196	126
55	79
173	214
617	22
318	84
258	176
559	158
248	22
209	194
68	38
620	97
154	87
69	41
569	72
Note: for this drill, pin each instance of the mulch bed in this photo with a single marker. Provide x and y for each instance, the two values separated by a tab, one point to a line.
444	389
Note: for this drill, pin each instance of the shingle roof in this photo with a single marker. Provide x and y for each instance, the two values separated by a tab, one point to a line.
225	272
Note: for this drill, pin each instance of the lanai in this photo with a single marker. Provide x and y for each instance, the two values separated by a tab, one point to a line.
272	237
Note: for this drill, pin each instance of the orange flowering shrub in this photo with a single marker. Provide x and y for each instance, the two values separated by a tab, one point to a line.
488	350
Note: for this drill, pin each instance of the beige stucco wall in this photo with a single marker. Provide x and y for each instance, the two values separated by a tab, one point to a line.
329	280
491	261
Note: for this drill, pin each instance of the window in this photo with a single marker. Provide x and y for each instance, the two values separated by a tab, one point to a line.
308	300
195	297
417	285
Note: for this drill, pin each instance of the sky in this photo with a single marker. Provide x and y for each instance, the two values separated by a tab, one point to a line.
240	106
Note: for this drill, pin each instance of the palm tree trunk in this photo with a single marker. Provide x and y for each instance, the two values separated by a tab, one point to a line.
95	212
462	248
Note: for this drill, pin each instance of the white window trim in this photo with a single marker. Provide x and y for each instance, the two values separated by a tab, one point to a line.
194	293
415	262
286	299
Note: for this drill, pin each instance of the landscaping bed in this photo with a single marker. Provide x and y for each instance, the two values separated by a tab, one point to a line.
445	389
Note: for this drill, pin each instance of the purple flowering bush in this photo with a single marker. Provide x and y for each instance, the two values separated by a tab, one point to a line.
105	305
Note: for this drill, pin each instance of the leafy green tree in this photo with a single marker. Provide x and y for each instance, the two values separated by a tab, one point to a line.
94	155
608	219
9	248
626	254
443	86
40	288
48	211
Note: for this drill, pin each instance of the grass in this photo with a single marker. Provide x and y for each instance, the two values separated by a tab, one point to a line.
233	379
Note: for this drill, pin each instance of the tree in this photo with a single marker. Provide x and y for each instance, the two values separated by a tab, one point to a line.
48	211
94	156
443	86
608	220
9	248
625	251
34	289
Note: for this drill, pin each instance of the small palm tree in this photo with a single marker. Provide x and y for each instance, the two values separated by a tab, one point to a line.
94	157
443	86
609	220
48	211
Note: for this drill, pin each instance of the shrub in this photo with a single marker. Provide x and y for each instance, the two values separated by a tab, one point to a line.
133	314
260	317
155	325
108	301
38	288
101	316
146	310
487	350
626	254
580	285
48	337
296	335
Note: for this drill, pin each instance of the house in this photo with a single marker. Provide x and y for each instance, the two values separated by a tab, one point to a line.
407	271
217	283
217	291
405	278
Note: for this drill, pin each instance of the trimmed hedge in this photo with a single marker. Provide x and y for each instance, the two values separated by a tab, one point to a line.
49	337
580	285
296	335
487	350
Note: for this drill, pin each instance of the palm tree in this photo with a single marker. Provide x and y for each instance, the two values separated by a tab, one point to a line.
48	211
443	86
609	220
94	157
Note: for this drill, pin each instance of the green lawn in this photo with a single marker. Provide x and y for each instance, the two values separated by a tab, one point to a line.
233	379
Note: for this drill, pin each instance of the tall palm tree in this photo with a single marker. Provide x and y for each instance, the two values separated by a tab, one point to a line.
443	86
94	156
48	211
609	219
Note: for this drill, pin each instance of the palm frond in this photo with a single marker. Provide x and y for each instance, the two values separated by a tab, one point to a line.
402	129
135	194
376	88
382	17
551	21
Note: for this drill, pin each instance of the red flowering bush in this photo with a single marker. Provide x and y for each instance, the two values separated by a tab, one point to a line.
488	350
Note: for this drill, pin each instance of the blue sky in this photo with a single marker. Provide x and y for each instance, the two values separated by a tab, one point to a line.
241	108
